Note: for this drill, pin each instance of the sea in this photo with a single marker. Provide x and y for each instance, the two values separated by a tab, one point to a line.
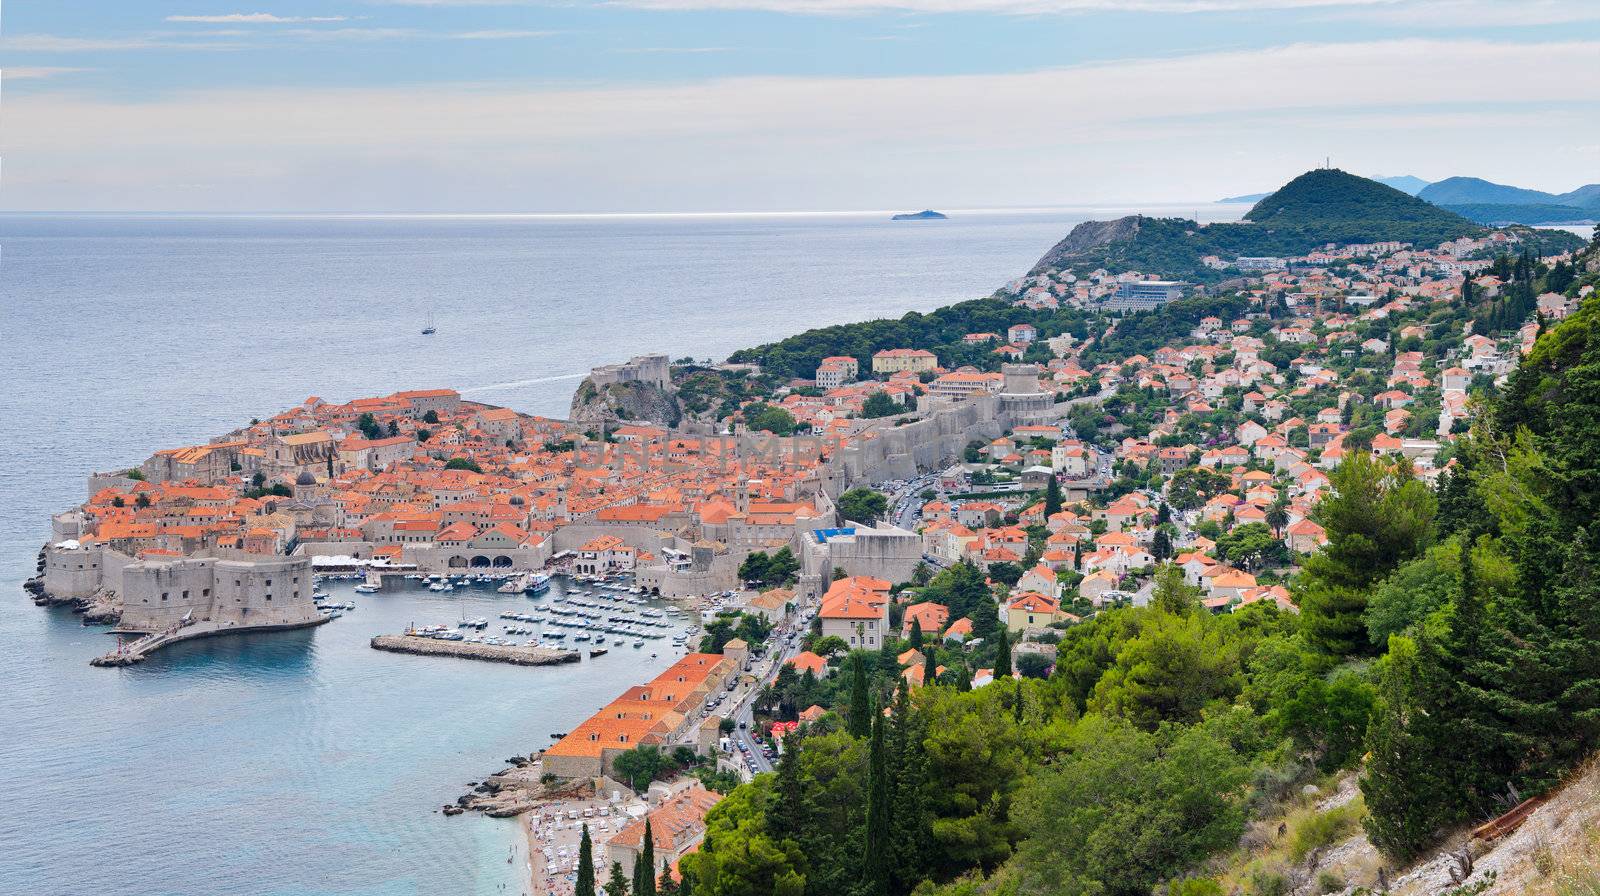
305	762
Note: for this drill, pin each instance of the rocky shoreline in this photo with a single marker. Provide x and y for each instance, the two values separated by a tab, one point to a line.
516	655
102	608
513	790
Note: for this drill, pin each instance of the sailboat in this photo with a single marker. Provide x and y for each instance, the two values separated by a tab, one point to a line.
429	330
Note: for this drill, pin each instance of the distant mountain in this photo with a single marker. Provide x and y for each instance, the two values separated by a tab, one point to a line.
1405	183
1491	203
1248	197
1322	206
1465	190
925	215
1583	197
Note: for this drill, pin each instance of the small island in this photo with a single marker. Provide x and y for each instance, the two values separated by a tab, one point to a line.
924	215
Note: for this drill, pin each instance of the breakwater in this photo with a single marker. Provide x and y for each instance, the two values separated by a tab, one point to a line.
498	653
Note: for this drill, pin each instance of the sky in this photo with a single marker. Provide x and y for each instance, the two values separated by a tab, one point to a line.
600	106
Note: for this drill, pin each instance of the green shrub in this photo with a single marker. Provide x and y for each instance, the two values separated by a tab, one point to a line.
1323	829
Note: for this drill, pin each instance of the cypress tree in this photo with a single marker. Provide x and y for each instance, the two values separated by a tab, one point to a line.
616	884
1543	666
860	721
1002	657
1410	800
1052	497
647	864
641	873
916	634
930	668
877	857
785	819
910	830
585	884
666	884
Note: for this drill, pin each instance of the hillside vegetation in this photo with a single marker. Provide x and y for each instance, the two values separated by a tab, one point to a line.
1447	657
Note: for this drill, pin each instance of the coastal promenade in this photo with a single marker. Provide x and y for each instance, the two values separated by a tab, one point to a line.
517	655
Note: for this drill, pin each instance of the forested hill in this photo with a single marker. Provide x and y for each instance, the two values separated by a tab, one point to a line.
1330	206
1447	654
1319	207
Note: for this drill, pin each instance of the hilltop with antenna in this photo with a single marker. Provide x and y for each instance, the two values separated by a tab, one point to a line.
1324	205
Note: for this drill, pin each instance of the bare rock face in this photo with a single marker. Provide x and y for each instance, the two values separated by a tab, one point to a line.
628	402
1085	239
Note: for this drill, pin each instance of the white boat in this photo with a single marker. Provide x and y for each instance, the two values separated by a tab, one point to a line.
366	588
438	586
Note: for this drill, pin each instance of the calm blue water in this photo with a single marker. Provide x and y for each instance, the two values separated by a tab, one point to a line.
308	763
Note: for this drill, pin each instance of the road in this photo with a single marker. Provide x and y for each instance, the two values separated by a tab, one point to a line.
905	502
764	672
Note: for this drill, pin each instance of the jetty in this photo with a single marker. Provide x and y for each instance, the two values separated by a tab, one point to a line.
516	654
130	652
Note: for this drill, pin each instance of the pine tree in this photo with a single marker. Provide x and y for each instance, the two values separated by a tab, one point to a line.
647	864
1377	518
616	884
877	859
585	884
1002	656
860	720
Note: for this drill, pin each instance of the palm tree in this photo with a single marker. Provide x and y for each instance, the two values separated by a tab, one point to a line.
767	698
1277	518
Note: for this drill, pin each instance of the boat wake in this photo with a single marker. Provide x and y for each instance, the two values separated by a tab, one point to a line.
515	383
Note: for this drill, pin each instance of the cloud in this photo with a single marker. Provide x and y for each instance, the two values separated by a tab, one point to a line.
255	18
1426	13
52	43
1173	128
504	34
1004	7
381	34
1465	14
359	34
33	72
676	50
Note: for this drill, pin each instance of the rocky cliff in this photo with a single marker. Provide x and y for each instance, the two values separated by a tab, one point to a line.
624	403
1083	241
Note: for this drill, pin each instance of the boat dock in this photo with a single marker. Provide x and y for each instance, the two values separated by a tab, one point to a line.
516	654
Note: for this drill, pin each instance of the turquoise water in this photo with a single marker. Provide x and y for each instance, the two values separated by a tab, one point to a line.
308	763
